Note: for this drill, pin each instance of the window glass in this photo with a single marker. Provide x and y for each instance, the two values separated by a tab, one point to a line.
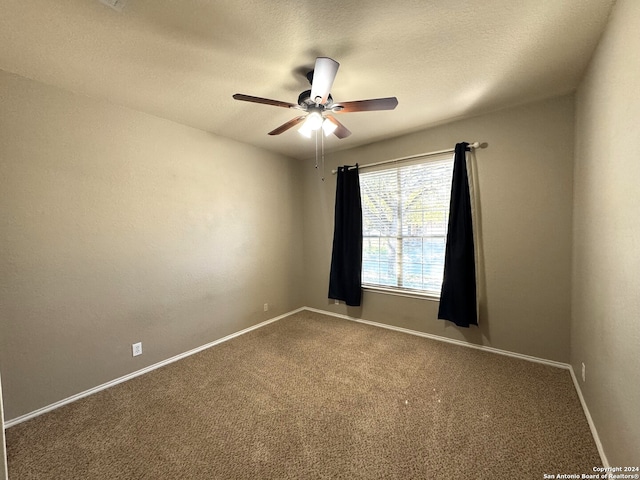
405	211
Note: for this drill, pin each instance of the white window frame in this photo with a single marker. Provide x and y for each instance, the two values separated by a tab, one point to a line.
404	168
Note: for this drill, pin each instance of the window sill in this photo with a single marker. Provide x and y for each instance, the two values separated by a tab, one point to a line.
402	293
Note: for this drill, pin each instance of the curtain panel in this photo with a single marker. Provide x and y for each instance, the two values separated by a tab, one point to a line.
345	279
458	296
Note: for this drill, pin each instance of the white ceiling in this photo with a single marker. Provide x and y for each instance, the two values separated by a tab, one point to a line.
184	59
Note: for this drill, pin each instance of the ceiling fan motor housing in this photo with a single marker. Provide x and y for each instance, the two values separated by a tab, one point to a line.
305	100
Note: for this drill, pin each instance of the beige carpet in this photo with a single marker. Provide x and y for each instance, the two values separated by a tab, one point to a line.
315	397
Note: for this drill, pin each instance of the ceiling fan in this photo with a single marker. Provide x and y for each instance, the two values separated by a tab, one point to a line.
318	106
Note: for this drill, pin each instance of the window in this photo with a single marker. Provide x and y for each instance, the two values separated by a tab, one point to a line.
405	212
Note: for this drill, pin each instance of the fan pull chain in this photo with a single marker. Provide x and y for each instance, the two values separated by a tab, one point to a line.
316	149
322	147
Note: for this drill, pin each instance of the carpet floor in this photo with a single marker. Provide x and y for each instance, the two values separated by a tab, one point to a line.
316	397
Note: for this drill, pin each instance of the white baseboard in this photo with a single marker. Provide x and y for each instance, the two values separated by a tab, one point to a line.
4	472
91	391
592	426
529	358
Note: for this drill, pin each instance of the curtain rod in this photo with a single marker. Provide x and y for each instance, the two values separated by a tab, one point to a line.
419	155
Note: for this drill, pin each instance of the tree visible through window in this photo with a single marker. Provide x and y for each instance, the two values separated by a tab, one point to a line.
405	211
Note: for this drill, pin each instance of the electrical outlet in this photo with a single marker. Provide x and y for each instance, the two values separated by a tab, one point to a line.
117	5
584	372
266	307
336	302
136	349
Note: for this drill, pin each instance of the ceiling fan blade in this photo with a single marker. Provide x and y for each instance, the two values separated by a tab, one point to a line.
324	73
388	103
286	126
341	131
266	101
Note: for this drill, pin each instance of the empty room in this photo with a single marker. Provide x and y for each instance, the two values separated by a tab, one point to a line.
299	240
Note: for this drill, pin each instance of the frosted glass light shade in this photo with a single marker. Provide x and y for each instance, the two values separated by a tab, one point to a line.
328	127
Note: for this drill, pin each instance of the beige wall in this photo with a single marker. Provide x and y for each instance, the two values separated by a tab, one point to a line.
119	227
605	332
525	184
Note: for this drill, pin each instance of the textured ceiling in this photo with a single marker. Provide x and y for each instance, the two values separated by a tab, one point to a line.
184	59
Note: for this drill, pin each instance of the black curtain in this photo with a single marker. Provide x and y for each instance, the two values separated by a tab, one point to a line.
345	279
458	295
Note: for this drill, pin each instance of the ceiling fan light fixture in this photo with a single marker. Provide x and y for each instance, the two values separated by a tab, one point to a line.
328	127
312	122
305	131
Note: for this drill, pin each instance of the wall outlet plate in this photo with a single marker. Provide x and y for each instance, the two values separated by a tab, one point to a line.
266	307
136	349
117	5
